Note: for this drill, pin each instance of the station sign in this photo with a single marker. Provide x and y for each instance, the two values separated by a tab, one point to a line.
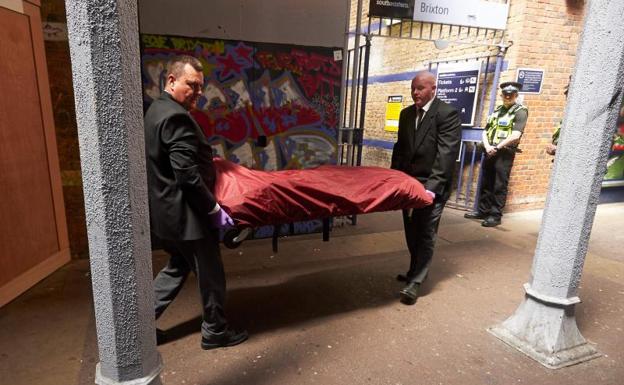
397	9
469	13
458	85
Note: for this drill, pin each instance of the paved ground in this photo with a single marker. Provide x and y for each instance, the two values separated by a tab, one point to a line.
328	312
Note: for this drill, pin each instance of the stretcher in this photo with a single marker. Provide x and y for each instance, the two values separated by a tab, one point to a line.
255	198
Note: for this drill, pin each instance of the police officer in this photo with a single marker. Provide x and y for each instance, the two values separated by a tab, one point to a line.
500	141
551	149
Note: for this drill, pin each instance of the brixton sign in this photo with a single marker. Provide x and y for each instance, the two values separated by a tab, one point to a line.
469	13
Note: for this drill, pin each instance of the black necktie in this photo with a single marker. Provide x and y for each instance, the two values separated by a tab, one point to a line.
419	116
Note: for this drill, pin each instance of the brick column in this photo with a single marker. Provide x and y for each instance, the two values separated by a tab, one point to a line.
104	46
544	326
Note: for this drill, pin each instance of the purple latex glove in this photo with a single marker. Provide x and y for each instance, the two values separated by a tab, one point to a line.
431	194
221	219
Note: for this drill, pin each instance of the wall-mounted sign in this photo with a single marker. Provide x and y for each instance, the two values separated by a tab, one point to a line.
398	9
393	111
458	85
470	13
531	80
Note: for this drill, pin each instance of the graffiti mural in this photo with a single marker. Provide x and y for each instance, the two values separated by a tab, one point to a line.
286	93
615	164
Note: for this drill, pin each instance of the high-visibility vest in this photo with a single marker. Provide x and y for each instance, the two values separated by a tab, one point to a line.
555	135
500	123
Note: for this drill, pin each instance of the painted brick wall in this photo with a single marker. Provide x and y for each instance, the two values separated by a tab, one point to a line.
544	34
61	90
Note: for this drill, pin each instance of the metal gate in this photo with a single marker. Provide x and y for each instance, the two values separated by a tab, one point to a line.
350	146
467	183
353	107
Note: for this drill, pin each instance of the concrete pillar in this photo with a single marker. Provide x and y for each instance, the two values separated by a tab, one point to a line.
104	46
544	326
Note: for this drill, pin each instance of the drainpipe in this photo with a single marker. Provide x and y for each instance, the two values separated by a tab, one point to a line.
343	84
354	82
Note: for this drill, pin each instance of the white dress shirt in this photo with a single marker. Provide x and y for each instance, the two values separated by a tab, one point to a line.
425	110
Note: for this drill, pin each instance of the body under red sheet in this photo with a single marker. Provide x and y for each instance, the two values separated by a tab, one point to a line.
256	198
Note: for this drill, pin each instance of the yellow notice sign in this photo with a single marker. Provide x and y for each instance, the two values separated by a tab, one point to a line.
393	110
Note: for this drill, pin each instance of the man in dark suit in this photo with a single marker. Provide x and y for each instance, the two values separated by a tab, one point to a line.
426	148
184	213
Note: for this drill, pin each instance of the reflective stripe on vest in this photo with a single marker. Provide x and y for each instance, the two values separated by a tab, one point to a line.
499	126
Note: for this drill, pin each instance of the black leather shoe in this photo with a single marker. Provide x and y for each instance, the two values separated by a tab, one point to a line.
161	336
403	277
229	337
409	293
491	222
475	215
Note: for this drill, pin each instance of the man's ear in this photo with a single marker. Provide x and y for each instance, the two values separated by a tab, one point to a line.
170	79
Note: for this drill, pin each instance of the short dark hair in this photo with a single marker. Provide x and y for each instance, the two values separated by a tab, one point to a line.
176	65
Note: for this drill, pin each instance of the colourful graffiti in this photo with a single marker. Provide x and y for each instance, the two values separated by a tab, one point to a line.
289	94
615	164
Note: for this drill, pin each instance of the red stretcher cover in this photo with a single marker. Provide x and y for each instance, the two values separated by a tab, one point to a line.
255	198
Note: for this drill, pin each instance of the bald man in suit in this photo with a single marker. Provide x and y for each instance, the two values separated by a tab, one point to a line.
427	146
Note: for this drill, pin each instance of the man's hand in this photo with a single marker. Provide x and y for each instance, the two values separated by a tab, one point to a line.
221	219
487	147
551	149
431	194
491	151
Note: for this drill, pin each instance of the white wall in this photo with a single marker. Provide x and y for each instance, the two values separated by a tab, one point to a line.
304	22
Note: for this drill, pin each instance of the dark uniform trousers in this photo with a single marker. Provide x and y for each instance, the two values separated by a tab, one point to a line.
493	193
421	228
201	256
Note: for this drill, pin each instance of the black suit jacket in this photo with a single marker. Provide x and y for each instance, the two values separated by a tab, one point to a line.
429	153
180	173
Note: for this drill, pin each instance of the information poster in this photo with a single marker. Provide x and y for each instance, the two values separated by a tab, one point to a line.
393	111
531	80
458	85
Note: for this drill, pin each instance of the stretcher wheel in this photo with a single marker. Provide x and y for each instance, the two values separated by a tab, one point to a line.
228	238
234	237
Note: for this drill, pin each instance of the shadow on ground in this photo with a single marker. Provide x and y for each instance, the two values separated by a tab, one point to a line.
300	299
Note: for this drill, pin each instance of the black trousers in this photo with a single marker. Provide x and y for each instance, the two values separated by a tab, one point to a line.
421	229
203	257
493	193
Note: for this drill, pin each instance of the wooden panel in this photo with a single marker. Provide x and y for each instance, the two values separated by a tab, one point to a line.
28	229
26	280
48	121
